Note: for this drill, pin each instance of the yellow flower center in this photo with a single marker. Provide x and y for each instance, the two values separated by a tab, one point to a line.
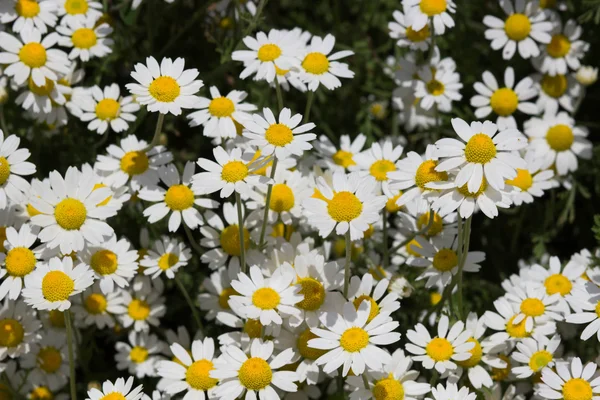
27	8
343	158
281	72
57	286
134	163
253	328
167	260
138	309
432	7
33	55
388	389
464	190
11	332
234	171
539	360
445	259
426	173
439	349
84	38
504	102
314	294
379	169
598	309
316	63
480	149
95	303
31	210
74	7
114	396
476	354
20	261
435	298
555	86
164	89
354	339
221	107
179	198
56	318
435	87
49	359
44	90
230	240
500	374
558	283
266	298
70	214
517	27
224	297
577	389
344	207
282	230
40	393
282	198
269	52
106	200
197	375
374	306
391	205
107	109
417	36
436	227
104	262
138	354
560	137
532	307
516	330
559	46
279	135
255	374
410	250
303	348
523	180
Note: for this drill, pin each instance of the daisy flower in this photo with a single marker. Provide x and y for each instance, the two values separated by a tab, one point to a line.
19	260
339	160
120	388
504	101
266	53
406	36
140	355
442	351
118	195
215	297
481	155
167	255
559	280
280	138
51	285
534	354
267	299
571	380
19	329
48	361
439	86
565	50
28	14
32	57
13	165
418	13
523	28
351	341
166	88
589	313
319	67
558	90
365	289
531	181
222	116
349	205
144	308
78	10
131	163
256	374
451	392
99	309
42	99
378	161
587	75
534	306
86	37
114	262
107	109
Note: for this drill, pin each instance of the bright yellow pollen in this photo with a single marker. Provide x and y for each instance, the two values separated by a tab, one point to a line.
344	207
134	163
266	298
57	286
432	7
179	198
480	149
221	107
49	359
164	89
224	297
167	261
106	200
517	27
314	294
104	262
57	318
95	303
281	72
391	205
560	137
464	190
40	393
197	375
32	211
279	135
426	173
374	306
253	328
74	7
410	250
380	168
269	52
367	234
539	360
239	128
559	46
500	374
436	227
303	348
282	198
11	332
234	171
255	374
504	102
445	259
230	240
20	261
417	36
435	87
532	307
476	354
33	55
27	8
138	309
84	38
282	230
555	86
517	331
388	389
316	63
577	389
598	309
354	339
558	283
113	396
138	354
343	158
439	349
44	90
107	109
435	298
523	180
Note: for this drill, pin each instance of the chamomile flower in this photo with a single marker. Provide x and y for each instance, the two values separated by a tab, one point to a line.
99	309
28	14
378	161
506	100
443	351
571	380
51	285
558	280
418	13
167	255
144	308
558	90
282	137
140	354
319	67
587	75
534	354
344	158
565	49
86	37
105	108
42	99
166	88
451	392
406	36
32	56
349	205
48	361
19	261
120	388
589	313
376	293
523	28
215	299
531	181
534	306
19	329
437	86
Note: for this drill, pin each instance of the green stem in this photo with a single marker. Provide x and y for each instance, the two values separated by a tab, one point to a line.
238	201
340	383
193	243
432	48
386	250
347	264
263	229
279	94
3	122
309	101
156	138
188	299
102	140
69	327
365	381
414	235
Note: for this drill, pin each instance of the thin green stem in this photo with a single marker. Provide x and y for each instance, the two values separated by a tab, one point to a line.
309	101
102	140
69	327
156	138
193	243
365	381
434	378
238	201
432	48
3	122
279	94
340	382
386	250
188	299
414	235
347	264
263	229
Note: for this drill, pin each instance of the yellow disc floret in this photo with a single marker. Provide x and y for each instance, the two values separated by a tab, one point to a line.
517	331
554	86
107	109
138	354
179	198
279	135
230	240
480	149
558	283
104	262
354	339
539	360
560	137
266	298
27	8
197	375
57	286
11	332
40	393
20	261
445	260
316	63
476	354
224	297
221	107
577	389
282	198
44	90
436	226
388	389
517	27
167	260
33	55
303	348
255	374
417	36
344	207
95	303
426	173
559	46
135	163
435	87
84	38
523	180
432	7
532	307
75	7
374	306
49	359
269	52
504	102
439	349
380	168
343	158
164	89
314	294
138	309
